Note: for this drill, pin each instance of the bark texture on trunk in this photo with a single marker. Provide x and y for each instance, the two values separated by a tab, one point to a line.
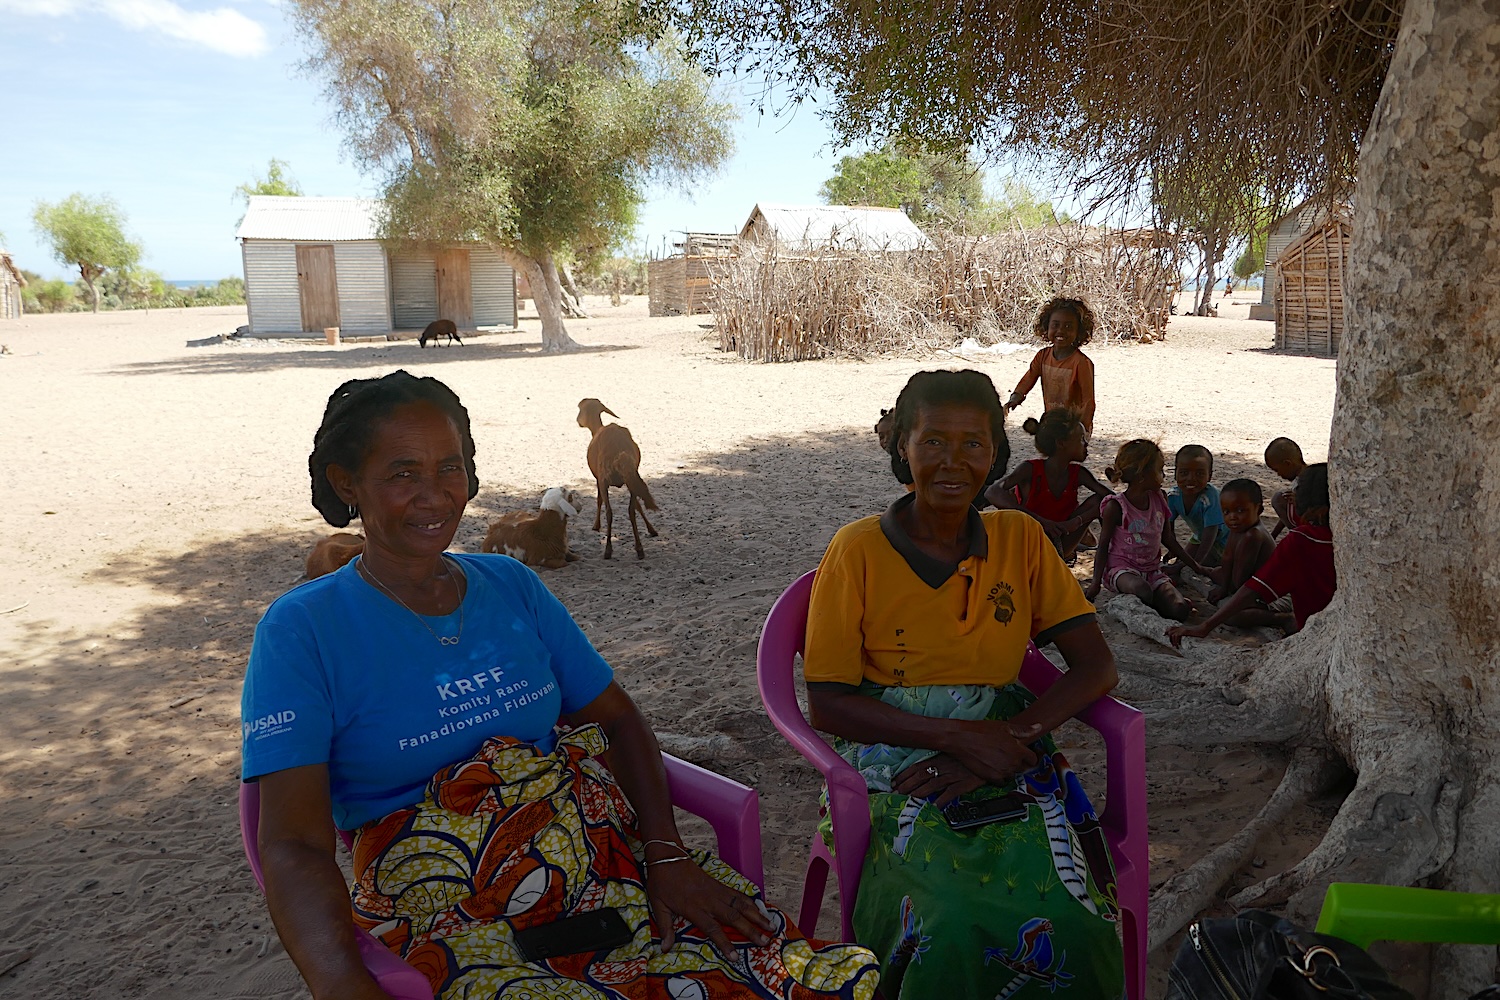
1400	676
549	302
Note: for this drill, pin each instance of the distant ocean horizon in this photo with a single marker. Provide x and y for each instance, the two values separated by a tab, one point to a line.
192	282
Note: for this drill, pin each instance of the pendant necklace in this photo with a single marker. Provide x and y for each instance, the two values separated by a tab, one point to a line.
446	640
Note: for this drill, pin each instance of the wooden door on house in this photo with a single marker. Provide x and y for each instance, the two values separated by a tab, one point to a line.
455	296
318	287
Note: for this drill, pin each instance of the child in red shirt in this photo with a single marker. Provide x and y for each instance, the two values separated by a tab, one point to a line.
1066	373
1047	488
1301	566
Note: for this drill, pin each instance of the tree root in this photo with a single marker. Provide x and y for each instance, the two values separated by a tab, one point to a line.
1394	828
1188	892
1459	971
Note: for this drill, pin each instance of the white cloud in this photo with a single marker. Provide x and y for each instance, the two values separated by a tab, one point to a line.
221	29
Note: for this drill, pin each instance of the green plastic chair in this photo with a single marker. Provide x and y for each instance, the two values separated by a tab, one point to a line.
1361	913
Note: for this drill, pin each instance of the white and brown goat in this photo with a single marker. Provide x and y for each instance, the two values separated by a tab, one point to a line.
536	537
615	460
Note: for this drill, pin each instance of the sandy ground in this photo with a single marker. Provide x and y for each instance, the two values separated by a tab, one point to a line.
157	500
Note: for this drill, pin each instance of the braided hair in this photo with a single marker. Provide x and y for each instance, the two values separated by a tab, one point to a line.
942	388
1055	427
349	422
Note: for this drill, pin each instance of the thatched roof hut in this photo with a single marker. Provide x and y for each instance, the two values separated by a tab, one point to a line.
1309	278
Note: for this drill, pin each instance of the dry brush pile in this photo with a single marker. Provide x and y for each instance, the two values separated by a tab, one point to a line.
772	304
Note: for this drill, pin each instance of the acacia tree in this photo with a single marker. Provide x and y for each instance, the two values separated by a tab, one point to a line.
928	187
89	234
533	127
1398	681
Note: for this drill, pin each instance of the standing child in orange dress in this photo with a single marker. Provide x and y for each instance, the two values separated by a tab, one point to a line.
1066	373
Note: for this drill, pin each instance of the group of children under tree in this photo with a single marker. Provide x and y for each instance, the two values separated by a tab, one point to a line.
1253	576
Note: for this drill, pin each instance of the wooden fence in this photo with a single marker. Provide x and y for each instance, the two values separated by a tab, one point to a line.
680	286
1310	290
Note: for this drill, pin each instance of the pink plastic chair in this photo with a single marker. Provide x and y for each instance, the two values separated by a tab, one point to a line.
1124	818
732	809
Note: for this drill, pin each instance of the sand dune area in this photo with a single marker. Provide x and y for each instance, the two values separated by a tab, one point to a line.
157	498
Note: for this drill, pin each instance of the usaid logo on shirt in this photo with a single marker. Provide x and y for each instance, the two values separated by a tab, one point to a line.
267	725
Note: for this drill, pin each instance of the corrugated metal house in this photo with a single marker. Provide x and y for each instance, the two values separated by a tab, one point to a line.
314	263
821	227
11	284
1283	233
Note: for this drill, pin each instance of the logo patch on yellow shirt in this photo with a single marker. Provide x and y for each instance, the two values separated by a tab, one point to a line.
1005	605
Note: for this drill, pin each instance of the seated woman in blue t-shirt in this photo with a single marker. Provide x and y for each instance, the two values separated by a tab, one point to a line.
412	697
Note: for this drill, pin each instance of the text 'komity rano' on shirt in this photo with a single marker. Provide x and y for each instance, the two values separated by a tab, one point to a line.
343	675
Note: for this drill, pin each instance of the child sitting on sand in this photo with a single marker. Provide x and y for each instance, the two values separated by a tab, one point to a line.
1134	525
1066	373
1047	488
1196	501
1301	566
1284	457
1248	548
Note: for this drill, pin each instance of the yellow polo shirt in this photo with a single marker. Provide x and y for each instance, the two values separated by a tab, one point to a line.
886	612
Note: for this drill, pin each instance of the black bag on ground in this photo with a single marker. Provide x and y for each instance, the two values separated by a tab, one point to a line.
1256	955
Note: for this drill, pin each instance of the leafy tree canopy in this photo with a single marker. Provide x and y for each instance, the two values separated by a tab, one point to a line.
89	234
277	181
1161	95
535	127
933	187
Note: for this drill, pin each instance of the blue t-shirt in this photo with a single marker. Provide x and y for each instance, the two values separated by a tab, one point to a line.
1205	514
341	674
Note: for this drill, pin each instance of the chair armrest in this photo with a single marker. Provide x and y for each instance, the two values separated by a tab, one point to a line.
1124	731
732	809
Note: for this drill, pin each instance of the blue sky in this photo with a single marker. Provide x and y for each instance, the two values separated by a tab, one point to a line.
168	105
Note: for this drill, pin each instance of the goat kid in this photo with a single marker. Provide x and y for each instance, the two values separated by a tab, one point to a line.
333	553
615	460
536	537
439	328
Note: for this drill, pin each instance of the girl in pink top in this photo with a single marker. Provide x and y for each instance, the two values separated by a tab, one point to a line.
1134	525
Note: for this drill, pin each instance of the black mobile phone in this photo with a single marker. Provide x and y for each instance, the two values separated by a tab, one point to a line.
596	930
1005	809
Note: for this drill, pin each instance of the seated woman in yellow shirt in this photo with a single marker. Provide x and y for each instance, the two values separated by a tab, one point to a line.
919	621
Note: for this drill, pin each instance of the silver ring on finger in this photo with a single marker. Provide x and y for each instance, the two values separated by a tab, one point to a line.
932	770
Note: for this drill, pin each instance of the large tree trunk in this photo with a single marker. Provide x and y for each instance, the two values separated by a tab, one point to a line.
1400	677
549	302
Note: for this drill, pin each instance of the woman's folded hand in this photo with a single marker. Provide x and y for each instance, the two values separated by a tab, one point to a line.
682	889
993	751
939	779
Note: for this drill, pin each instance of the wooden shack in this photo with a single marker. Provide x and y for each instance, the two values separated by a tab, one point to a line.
683	284
11	283
1309	277
314	263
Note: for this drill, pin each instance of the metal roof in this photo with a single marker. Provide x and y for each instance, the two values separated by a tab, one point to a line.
271	217
855	227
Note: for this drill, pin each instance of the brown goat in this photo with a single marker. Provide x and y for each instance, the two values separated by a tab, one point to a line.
615	460
333	553
536	537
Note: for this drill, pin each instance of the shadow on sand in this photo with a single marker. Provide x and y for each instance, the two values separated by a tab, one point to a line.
245	358
122	745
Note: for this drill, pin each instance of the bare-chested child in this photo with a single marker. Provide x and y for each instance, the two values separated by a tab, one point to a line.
1284	457
1247	549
